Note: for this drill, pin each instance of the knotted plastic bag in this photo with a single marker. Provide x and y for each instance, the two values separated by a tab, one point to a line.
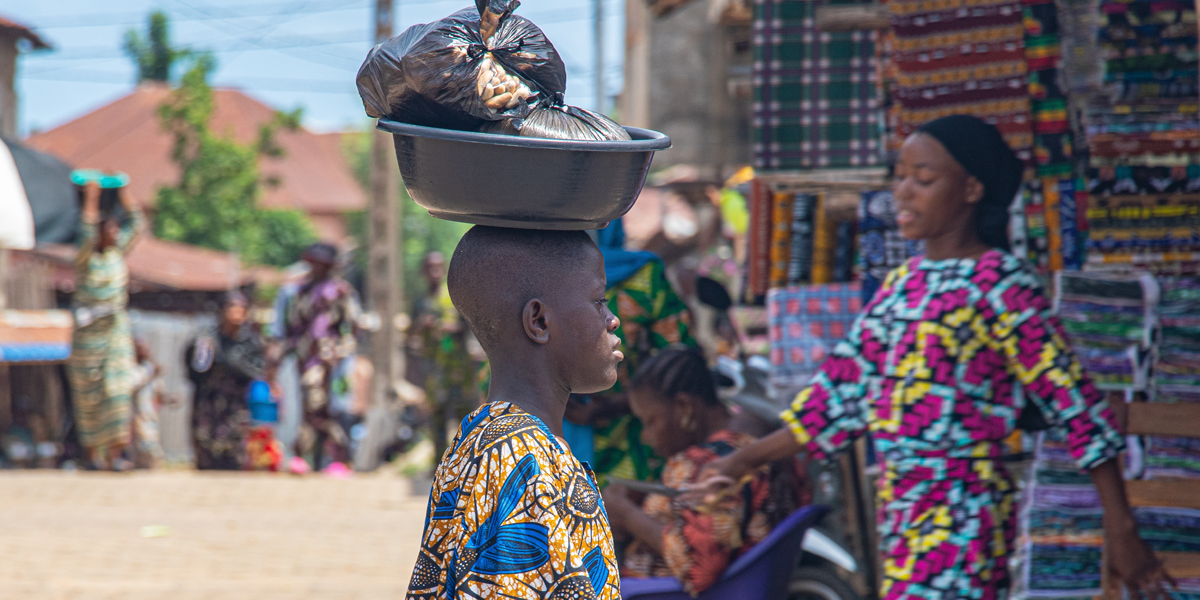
463	70
560	122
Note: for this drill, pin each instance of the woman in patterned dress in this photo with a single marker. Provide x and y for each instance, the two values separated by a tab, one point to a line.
674	397
100	369
221	364
938	367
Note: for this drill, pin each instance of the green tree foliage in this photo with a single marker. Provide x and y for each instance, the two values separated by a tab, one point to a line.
422	233
215	202
153	53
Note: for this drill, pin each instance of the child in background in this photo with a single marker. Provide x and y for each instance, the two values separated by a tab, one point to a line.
512	514
147	399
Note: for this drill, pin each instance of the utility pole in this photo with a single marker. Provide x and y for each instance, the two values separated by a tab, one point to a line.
383	246
598	34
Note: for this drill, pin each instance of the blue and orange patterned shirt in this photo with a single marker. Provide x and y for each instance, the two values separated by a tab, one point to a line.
512	514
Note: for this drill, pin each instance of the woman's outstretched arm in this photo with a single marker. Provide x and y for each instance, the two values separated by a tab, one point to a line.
1129	557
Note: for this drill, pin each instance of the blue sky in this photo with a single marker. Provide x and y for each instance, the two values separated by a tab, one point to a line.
288	53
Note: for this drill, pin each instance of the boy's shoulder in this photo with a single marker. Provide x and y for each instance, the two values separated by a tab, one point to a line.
500	426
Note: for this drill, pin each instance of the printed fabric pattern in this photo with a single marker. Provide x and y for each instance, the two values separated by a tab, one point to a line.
512	514
699	543
938	368
653	317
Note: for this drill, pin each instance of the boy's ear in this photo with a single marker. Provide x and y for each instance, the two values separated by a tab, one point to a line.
534	319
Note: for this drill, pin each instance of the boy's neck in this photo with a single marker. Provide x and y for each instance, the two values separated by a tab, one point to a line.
532	389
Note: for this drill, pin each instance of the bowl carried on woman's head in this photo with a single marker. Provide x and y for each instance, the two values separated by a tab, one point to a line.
522	182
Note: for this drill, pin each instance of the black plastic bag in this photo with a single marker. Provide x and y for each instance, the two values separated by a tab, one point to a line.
560	122
444	74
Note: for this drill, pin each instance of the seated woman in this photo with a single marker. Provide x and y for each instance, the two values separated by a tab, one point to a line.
674	396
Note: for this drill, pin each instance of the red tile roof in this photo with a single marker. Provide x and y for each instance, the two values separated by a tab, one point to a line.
125	135
14	28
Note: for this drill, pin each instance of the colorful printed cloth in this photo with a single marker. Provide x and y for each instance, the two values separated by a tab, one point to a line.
652	317
805	323
444	362
100	369
512	514
816	98
881	247
700	545
322	320
929	369
959	57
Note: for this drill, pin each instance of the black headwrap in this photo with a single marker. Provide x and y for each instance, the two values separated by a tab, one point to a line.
984	155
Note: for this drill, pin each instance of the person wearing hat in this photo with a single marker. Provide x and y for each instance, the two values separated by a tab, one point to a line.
931	369
321	328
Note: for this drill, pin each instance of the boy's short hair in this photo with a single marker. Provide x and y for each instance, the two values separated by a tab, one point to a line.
495	271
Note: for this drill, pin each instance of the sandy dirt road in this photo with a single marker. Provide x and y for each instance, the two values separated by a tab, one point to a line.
198	536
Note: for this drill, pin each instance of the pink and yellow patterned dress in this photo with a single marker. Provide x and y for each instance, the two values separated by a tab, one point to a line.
513	515
938	367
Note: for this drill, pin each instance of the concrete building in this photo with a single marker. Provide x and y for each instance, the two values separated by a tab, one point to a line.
687	74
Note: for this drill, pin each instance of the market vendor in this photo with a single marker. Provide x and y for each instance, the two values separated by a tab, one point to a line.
929	369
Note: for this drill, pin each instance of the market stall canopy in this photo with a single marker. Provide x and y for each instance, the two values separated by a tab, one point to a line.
51	195
35	336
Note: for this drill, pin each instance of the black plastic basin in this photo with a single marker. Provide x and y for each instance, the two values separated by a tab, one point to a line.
530	183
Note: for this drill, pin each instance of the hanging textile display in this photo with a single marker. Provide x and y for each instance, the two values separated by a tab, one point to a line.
959	57
805	322
881	247
816	99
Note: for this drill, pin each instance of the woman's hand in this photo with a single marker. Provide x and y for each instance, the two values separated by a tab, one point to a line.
626	516
1129	558
716	478
1135	565
618	505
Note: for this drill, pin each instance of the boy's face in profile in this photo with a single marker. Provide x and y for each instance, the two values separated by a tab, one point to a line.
586	347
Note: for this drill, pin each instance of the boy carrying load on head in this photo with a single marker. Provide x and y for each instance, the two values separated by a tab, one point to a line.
512	513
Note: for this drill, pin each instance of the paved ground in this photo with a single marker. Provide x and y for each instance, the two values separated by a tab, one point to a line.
190	536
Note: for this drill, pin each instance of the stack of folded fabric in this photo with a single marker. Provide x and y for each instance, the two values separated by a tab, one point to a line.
959	57
1177	363
1144	138
1061	527
1168	529
1110	322
1171	458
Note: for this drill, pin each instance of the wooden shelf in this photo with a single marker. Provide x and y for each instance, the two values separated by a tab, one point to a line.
1177	420
1181	565
1177	493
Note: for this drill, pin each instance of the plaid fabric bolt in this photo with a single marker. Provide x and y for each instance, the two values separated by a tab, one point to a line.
816	96
804	324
